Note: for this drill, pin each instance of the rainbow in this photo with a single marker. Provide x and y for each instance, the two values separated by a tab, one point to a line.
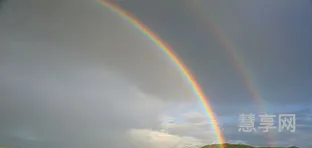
246	75
239	64
237	59
174	58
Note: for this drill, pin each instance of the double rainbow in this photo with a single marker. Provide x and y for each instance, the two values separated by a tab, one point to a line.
165	48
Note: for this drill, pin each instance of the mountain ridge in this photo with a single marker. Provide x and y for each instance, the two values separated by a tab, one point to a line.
227	145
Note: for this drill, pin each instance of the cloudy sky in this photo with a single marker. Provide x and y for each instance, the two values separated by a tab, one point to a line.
73	74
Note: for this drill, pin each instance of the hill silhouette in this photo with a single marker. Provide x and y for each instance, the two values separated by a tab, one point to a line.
226	145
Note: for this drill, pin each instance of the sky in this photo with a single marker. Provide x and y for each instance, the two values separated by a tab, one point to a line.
73	74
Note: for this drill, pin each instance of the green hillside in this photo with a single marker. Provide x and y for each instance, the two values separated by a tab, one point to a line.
240	146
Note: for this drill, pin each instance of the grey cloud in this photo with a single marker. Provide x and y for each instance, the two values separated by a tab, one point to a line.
75	75
258	30
92	30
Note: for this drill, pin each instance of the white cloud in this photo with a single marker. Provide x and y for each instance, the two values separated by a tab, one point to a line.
187	124
156	139
236	142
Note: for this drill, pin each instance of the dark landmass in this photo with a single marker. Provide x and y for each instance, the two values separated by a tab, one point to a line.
240	146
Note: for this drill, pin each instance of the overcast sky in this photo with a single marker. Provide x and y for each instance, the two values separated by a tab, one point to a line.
72	74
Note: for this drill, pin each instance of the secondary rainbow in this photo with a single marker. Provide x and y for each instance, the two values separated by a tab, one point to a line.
174	58
230	50
238	62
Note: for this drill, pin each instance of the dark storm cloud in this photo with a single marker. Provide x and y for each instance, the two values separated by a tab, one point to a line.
1	2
